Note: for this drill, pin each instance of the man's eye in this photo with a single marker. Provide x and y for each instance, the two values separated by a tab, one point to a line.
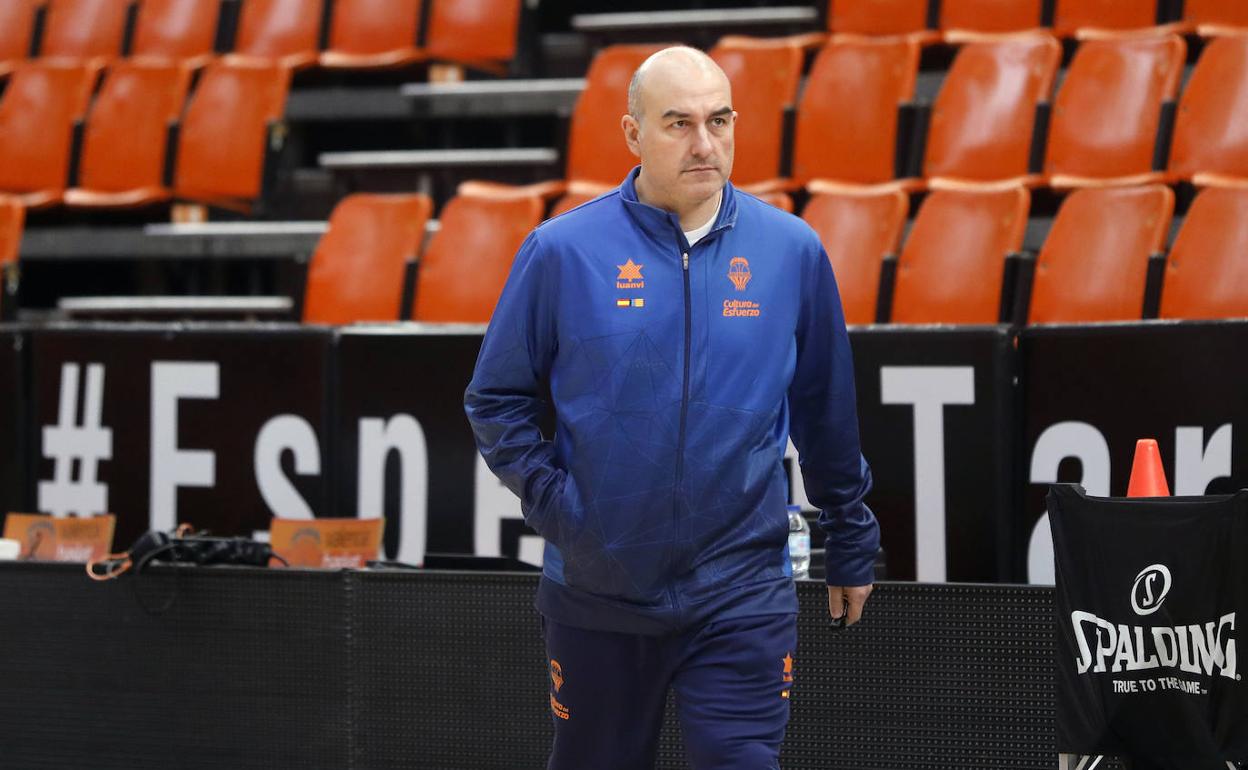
680	123
719	122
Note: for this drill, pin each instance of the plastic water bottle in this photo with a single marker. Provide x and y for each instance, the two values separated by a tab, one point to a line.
799	543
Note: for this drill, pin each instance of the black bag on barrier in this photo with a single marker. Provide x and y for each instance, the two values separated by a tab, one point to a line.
184	546
1149	592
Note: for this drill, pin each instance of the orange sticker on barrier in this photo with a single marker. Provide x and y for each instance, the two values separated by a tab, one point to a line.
327	543
47	538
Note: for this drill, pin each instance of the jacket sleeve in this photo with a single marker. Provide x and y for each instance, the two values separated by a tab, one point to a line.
504	399
824	428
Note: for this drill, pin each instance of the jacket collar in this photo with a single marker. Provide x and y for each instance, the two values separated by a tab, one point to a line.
662	225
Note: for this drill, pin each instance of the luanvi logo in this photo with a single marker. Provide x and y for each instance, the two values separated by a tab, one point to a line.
1150	589
1196	648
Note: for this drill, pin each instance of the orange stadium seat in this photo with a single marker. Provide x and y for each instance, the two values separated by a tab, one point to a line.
982	121
226	130
847	117
881	17
12	215
37	115
481	33
84	29
356	273
1072	16
857	231
595	166
176	29
764	73
463	271
1211	130
126	137
286	31
1207	273
1106	115
967	20
780	200
373	34
1094	263
952	267
1216	17
17	26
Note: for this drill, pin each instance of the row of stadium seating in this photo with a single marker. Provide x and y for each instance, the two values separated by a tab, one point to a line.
349	34
959	20
1104	258
1108	121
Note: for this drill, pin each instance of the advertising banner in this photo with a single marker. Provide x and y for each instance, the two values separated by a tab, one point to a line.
220	426
937	416
1091	392
12	425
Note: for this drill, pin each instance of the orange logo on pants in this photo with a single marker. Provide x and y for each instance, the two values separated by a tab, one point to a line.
788	674
556	681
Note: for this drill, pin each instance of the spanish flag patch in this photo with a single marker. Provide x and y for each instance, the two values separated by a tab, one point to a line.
622	303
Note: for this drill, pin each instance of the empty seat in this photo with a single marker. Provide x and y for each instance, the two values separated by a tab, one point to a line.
578	193
84	29
1094	263
125	141
857	232
12	215
356	273
481	33
466	264
963	20
1211	129
17	26
596	148
1216	17
1071	16
37	114
285	31
982	121
952	267
881	17
177	29
226	130
847	117
780	200
1207	271
1106	115
764	73
373	34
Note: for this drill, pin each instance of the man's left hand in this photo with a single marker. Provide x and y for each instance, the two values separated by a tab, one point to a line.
847	601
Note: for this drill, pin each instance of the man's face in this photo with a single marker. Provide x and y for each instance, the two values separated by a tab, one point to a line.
684	138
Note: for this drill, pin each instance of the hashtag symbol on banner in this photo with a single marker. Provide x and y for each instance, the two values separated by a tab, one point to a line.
70	443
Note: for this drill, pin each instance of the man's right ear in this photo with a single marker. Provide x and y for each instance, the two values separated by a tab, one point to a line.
632	134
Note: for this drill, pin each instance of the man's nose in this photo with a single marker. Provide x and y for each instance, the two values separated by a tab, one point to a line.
701	142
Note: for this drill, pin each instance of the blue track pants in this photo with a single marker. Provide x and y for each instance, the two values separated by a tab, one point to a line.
731	679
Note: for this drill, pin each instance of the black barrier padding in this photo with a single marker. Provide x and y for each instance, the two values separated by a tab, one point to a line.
454	670
182	667
445	671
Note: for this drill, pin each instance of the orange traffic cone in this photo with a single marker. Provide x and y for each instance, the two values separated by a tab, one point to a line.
1148	478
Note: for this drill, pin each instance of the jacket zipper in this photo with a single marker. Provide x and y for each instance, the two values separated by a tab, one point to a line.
684	414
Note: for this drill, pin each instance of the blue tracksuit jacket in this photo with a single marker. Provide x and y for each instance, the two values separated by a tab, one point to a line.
677	374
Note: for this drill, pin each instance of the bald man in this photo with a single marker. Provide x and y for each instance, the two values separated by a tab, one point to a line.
685	331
